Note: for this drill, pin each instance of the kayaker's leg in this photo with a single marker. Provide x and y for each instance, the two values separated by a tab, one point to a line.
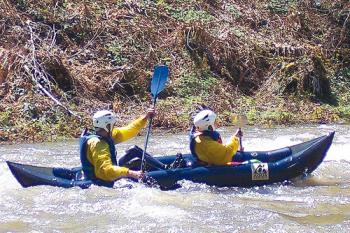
136	152
129	155
153	162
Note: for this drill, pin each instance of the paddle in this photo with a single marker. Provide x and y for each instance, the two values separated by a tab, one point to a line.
240	120
160	76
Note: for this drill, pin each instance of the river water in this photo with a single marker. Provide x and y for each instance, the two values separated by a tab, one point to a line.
319	203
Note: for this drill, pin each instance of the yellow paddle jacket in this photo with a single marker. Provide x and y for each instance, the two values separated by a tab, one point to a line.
213	152
98	152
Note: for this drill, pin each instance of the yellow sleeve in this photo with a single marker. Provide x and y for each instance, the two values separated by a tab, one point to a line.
99	156
121	134
215	153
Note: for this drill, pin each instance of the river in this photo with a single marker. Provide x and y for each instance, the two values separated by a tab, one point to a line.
320	203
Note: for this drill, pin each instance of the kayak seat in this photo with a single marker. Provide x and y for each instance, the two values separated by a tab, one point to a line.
133	164
133	157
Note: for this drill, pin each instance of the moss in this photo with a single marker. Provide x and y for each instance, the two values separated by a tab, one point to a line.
5	119
191	85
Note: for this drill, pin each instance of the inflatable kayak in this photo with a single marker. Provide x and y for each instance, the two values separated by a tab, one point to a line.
249	168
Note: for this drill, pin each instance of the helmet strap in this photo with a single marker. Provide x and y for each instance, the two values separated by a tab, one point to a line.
109	129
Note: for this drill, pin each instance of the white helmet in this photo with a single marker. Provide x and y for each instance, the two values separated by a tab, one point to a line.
103	118
204	119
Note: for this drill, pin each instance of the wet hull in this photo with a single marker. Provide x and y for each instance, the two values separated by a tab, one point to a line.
273	166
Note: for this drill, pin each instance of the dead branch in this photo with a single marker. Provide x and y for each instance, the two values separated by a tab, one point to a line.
37	73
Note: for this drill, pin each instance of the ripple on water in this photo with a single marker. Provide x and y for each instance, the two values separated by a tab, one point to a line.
319	203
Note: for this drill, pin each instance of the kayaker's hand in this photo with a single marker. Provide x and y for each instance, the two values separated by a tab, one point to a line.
151	112
135	174
239	133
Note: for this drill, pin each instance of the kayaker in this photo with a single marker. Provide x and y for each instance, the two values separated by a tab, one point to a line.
206	143
98	152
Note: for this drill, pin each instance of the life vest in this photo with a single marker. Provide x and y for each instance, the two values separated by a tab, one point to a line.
215	135
86	165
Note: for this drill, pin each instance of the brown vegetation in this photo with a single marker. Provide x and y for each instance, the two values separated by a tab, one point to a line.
276	61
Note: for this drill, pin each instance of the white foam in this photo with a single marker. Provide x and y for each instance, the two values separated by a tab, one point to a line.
154	204
7	180
338	152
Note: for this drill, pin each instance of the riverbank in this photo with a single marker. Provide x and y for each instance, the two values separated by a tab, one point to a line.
176	118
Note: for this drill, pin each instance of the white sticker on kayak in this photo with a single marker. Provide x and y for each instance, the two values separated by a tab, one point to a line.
260	171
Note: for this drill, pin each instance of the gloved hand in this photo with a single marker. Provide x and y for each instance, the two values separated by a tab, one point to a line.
135	174
151	112
239	133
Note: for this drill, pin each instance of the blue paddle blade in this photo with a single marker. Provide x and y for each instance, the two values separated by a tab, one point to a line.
160	76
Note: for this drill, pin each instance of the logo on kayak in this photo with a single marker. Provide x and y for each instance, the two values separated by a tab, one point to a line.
260	171
254	154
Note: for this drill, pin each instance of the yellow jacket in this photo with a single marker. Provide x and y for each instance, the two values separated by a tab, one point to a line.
98	153
213	152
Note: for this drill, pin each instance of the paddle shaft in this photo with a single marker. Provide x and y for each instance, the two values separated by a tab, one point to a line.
240	139
147	137
239	120
159	79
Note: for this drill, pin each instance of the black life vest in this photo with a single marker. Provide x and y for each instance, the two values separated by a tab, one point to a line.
86	165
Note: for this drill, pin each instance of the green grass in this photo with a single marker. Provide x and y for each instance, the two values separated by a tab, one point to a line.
191	15
191	85
116	53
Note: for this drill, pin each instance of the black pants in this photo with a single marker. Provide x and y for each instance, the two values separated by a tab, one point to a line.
136	152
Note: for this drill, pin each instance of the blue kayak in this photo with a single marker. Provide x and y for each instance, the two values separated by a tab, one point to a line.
250	168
